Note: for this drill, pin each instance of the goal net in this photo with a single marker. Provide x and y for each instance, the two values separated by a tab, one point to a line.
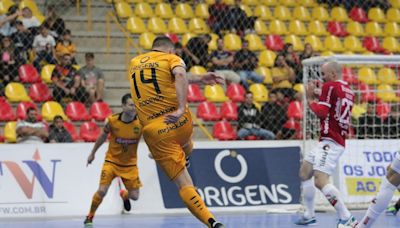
375	126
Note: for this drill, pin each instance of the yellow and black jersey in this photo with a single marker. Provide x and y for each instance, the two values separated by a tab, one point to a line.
124	139
153	84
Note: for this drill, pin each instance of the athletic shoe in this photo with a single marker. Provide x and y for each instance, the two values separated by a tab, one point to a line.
351	222
391	210
303	221
217	225
88	221
127	202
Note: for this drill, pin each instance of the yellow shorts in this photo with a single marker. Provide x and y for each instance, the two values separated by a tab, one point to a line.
129	175
166	142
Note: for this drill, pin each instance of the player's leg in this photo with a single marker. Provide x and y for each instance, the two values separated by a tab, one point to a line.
308	190
388	186
188	148
131	180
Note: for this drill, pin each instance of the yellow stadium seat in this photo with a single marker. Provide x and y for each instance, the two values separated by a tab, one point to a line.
391	44
209	2
373	29
267	58
201	11
198	26
269	2
299	87
277	27
146	40
135	25
339	14
376	14
333	43
290	3
246	9
301	13
393	15
297	27
164	10
40	17
282	13
395	3
259	91
262	12
186	37
260	27
386	93
215	93
154	1
4	5
229	2
123	10
308	3
250	2
143	10
131	1
368	53
76	66
156	25
15	92
352	43
10	133
46	72
327	53
358	110
255	42
317	28
266	72
50	109
212	45
355	28
315	43
183	10
320	13
30	4
177	25
391	29
296	41
232	42
387	76
348	53
197	70
367	76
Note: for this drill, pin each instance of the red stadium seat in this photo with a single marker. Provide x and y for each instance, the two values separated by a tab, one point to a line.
251	137
173	37
76	111
89	131
292	124
359	15
229	111
295	110
349	76
195	94
23	106
208	111
223	130
6	111
274	42
39	92
337	29
2	138
235	92
72	130
372	44
367	94
383	110
28	74
100	110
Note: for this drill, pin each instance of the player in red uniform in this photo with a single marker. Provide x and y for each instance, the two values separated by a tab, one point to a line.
333	108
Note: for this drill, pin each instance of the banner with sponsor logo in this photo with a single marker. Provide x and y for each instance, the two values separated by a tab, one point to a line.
238	177
362	167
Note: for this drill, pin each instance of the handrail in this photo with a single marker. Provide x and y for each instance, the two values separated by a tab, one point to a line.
202	128
89	13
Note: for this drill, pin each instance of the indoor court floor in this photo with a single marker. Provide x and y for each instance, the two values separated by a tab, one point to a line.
236	220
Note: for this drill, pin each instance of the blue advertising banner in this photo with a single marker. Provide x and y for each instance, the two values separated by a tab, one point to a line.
240	177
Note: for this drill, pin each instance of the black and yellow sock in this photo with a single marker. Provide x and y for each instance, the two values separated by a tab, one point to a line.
96	201
196	205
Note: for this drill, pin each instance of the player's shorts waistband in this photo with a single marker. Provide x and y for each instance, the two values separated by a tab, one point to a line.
119	164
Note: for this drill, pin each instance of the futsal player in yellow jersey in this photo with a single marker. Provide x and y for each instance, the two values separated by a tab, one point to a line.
121	158
159	90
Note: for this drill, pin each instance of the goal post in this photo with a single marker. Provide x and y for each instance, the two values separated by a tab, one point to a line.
375	123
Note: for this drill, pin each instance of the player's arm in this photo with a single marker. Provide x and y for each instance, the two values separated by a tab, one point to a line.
100	140
181	86
209	78
320	108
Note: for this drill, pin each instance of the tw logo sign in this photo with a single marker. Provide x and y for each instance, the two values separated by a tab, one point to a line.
27	182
